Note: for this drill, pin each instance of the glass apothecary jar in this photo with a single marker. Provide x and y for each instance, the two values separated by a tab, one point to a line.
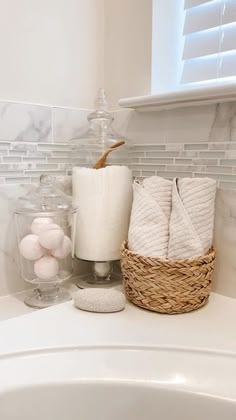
44	225
102	195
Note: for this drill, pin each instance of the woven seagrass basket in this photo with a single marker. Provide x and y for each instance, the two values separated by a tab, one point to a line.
165	286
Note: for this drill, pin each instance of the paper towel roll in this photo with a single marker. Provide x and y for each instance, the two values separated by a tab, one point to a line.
103	198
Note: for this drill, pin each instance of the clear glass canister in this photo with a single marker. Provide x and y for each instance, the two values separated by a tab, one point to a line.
43	220
102	193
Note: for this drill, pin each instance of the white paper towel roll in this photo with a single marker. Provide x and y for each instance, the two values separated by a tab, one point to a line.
103	198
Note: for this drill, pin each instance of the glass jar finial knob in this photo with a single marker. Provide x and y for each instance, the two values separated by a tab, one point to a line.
45	179
101	101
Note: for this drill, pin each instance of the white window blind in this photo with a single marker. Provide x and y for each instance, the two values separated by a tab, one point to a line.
209	53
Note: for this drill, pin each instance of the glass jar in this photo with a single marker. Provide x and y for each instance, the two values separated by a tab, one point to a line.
103	197
43	222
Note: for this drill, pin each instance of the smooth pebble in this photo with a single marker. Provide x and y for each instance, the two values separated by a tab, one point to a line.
46	268
99	300
30	248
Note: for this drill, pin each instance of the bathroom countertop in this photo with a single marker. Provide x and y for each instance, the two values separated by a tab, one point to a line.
12	306
209	328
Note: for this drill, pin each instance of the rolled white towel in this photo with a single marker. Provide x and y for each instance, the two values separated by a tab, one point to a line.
149	224
192	217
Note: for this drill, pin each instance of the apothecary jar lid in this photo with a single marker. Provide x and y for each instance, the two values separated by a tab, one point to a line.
100	137
45	198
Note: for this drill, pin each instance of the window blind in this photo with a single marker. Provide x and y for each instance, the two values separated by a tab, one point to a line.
209	52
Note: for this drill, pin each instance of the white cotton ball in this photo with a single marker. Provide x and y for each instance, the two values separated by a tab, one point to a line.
39	224
30	248
64	250
46	268
52	237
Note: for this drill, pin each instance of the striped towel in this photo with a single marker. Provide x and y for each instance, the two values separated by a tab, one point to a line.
192	217
149	223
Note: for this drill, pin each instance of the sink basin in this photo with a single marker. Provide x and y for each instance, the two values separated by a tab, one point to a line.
117	383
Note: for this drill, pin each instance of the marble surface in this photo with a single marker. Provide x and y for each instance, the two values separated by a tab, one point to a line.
10	279
224	124
36	123
12	306
225	243
168	126
206	123
210	328
69	124
22	122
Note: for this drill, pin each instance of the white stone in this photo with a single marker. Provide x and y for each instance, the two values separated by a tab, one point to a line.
30	248
46	268
99	300
64	250
39	224
52	237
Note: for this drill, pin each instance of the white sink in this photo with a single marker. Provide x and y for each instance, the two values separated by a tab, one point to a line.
118	383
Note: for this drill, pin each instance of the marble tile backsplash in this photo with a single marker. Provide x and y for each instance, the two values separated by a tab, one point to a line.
21	122
195	141
34	139
215	160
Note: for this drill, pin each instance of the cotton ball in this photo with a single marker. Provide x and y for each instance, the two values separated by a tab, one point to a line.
30	247
46	268
52	237
39	224
64	250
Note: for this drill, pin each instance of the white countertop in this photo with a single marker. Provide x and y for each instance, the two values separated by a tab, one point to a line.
12	306
63	326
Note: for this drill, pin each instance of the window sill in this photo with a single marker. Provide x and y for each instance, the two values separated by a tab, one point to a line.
181	99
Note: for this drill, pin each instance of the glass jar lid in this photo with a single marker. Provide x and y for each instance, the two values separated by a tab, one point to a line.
100	136
100	133
44	198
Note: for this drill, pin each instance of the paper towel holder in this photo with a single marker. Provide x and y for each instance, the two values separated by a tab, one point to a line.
87	149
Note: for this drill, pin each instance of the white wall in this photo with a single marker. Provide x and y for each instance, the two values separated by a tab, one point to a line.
168	21
54	52
51	51
128	46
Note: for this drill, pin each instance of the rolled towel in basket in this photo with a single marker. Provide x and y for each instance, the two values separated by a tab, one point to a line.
192	217
149	224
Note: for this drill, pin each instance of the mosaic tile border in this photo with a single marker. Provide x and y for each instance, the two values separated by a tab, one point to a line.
24	162
34	139
170	160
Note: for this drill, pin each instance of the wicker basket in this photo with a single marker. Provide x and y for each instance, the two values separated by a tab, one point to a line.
165	286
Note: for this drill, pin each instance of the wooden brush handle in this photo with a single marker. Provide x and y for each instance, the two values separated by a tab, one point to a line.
102	160
119	143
